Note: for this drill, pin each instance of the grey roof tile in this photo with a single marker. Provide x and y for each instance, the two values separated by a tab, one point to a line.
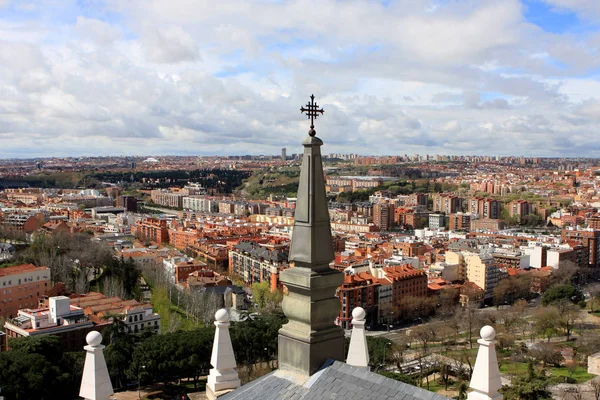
337	381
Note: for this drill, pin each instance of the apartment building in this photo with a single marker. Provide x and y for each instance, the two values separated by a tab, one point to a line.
178	269
167	198
358	290
200	203
484	208
181	238
138	317
447	203
59	318
383	215
482	270
519	209
459	222
20	287
418	199
407	281
255	263
589	238
153	229
437	221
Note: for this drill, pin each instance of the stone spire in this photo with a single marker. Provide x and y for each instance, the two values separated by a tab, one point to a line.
95	382
311	337
358	352
485	381
223	378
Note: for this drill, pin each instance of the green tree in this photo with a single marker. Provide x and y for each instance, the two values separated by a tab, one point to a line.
380	351
119	351
547	322
36	368
260	293
559	292
172	356
533	386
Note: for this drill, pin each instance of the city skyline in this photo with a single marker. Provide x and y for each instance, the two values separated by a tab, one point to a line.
395	77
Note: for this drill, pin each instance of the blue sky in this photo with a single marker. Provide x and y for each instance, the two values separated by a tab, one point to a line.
152	77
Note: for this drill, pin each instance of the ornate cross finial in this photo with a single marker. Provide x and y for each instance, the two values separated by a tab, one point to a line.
312	111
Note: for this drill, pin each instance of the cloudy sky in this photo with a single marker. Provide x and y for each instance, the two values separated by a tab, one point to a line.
195	77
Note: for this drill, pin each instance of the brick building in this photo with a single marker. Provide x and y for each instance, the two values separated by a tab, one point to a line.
215	255
418	199
446	203
519	209
183	238
129	203
459	222
406	282
383	215
20	287
484	208
358	290
254	263
487	224
589	238
411	248
153	229
26	223
179	268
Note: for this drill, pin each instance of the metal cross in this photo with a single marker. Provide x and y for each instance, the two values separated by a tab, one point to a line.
312	111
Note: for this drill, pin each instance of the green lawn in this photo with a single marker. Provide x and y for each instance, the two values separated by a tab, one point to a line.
516	368
580	374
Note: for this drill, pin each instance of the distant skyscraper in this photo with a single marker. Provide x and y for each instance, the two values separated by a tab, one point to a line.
283	155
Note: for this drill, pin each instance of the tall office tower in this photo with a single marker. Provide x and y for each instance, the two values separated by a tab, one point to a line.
283	155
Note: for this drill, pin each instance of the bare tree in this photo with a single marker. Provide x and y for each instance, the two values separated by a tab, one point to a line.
471	322
467	358
569	315
594	290
81	283
398	351
113	287
547	322
595	386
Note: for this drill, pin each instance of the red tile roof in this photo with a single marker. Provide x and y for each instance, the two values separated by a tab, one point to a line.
18	269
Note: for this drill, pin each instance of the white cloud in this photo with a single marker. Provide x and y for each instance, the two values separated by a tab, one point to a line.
228	77
98	31
587	9
170	44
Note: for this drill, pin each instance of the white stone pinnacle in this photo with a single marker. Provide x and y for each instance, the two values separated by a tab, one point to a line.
95	382
485	381
223	377
358	352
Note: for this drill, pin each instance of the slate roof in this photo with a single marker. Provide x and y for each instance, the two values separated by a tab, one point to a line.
275	255
335	380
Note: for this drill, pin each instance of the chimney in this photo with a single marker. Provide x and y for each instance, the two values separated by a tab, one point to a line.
485	381
223	378
358	352
310	337
95	382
